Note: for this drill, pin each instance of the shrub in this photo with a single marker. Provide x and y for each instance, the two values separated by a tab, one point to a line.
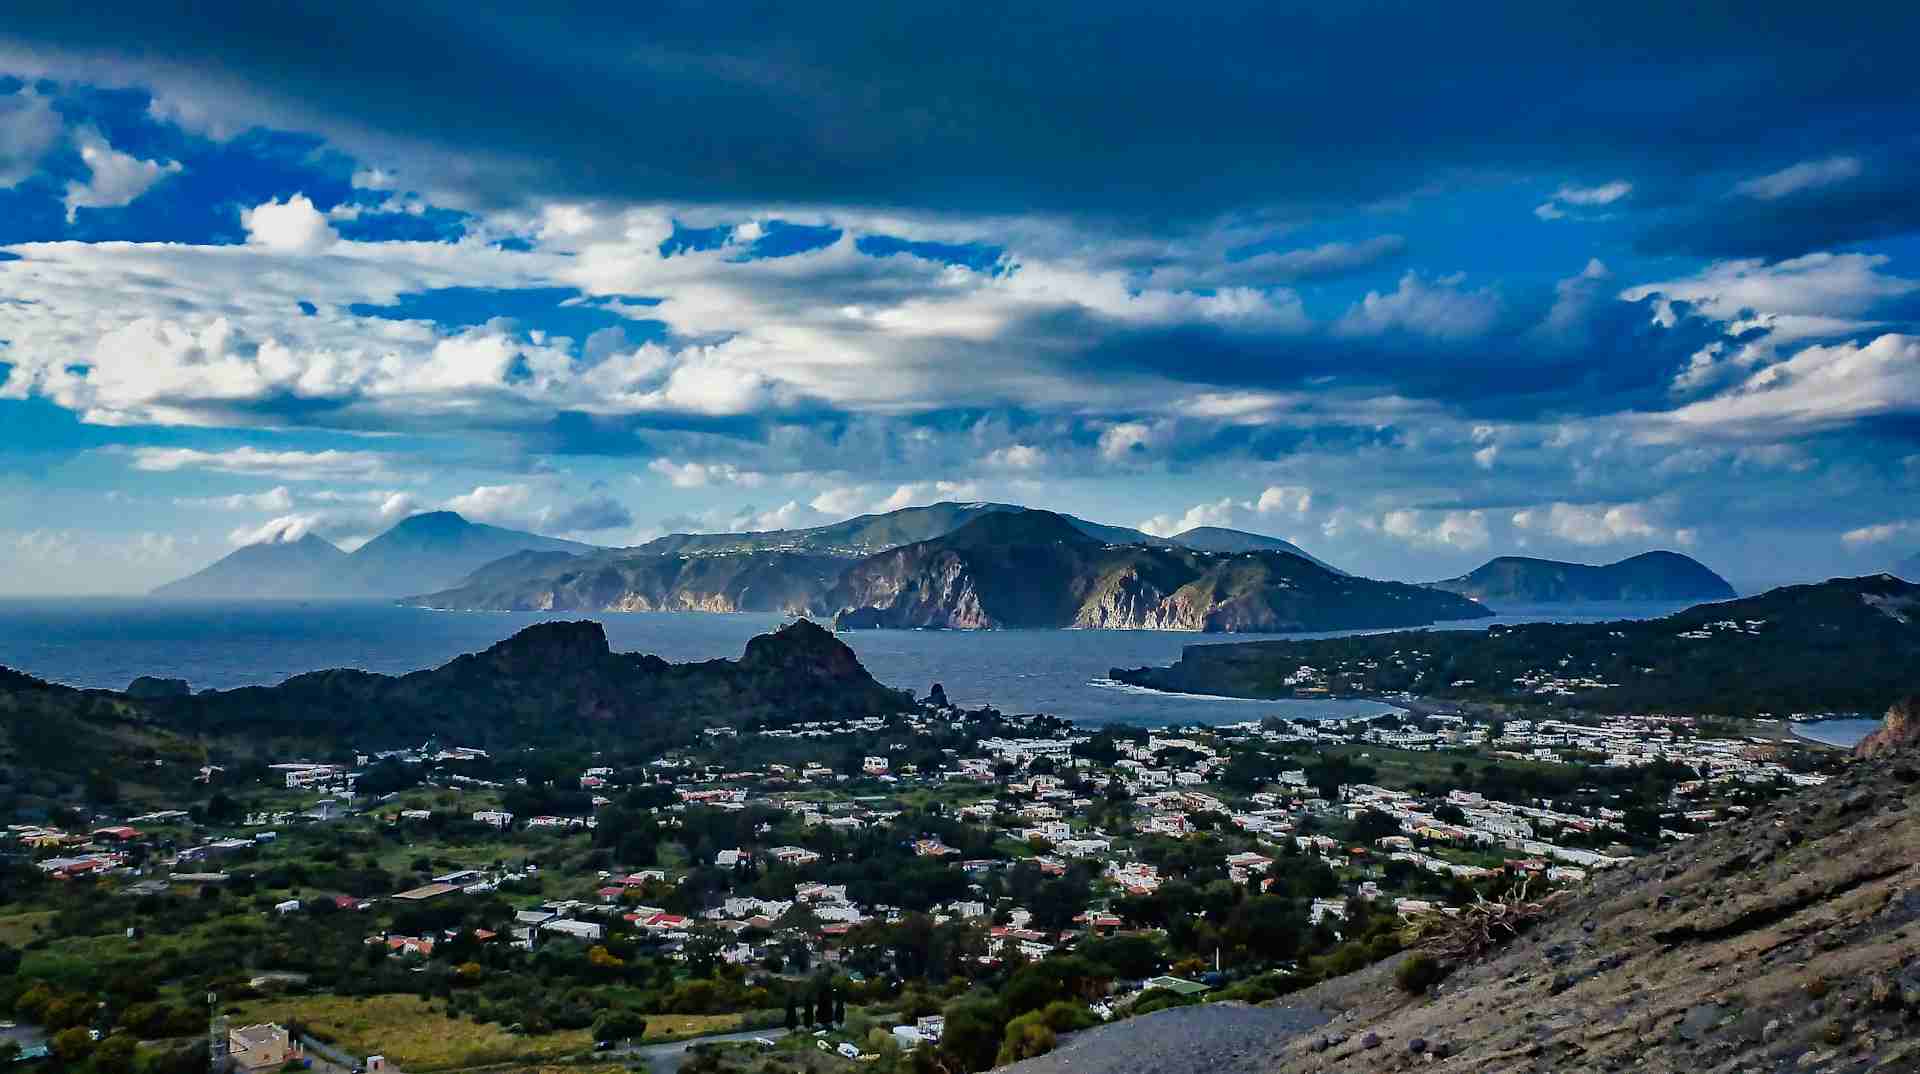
1027	1036
1418	974
1478	928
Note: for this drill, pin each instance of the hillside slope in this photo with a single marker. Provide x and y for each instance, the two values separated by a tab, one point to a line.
763	581
1039	570
1845	645
1221	539
1648	576
1785	943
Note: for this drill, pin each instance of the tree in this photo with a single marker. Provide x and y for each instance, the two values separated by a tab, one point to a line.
793	1016
114	1055
822	1004
71	1046
619	1025
1026	1036
973	1033
839	1008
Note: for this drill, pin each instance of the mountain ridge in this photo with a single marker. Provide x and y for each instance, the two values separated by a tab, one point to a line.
1037	570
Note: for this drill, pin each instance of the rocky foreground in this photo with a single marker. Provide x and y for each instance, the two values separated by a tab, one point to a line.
1787	943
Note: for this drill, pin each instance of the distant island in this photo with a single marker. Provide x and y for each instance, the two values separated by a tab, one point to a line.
552	684
1036	569
1648	576
425	551
1846	645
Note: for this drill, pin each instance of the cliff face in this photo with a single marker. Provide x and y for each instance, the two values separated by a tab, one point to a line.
1901	731
791	582
1037	570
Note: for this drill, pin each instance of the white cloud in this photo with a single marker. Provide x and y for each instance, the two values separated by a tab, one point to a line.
1438	309
285	529
291	226
1130	439
1816	285
1806	175
840	502
1016	457
1461	529
687	475
1819	387
1227	512
114	178
28	128
1589	524
921	493
277	498
1881	532
254	462
1296	499
1555	207
493	503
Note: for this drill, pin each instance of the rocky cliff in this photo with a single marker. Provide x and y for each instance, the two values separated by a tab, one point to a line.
747	581
1038	570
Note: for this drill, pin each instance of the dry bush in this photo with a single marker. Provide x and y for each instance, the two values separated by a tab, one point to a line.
1475	929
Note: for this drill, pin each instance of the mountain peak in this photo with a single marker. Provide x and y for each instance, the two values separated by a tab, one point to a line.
557	644
1656	575
1017	527
432	522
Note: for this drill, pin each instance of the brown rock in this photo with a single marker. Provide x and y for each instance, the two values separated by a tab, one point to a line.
1901	730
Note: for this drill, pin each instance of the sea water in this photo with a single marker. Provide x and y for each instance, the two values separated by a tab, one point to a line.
104	643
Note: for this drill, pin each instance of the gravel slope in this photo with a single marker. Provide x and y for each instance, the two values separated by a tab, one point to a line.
1217	1038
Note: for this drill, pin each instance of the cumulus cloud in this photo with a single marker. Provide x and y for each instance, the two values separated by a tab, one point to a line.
1575	197
687	475
1806	175
505	504
1465	530
114	178
256	462
1016	457
1588	524
290	226
1818	387
1275	502
1130	439
1438	309
921	493
28	128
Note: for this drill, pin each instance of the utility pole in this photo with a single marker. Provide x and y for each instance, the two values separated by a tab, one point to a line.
217	1057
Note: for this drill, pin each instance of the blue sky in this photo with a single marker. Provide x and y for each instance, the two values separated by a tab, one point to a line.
1410	287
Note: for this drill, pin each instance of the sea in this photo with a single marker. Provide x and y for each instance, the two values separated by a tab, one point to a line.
106	643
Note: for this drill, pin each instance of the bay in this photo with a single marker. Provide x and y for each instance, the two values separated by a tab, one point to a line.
106	643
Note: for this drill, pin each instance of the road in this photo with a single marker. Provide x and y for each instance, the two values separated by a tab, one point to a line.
666	1058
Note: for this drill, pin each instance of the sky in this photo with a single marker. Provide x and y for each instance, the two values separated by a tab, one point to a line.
1409	285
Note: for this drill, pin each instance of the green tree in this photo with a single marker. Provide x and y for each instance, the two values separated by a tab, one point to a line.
973	1033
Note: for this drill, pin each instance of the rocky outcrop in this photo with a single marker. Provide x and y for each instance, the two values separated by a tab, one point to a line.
1900	731
747	581
148	686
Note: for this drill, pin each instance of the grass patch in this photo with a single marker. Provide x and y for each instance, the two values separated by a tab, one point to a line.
413	1033
16	930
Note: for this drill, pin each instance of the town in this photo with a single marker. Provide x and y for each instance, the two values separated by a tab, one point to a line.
890	863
